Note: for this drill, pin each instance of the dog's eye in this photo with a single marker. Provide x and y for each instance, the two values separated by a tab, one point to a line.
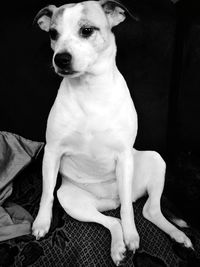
86	32
53	34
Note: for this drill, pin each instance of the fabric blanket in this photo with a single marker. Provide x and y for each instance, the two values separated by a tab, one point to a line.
70	242
15	154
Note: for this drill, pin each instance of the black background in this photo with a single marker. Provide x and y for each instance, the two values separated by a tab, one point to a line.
159	56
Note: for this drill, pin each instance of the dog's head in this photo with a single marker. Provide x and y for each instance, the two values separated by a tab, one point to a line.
81	33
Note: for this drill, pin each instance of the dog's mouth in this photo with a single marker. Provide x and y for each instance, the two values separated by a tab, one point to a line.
62	72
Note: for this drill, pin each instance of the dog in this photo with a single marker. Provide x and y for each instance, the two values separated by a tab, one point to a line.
91	130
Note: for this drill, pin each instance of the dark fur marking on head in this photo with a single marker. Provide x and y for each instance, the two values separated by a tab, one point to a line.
59	12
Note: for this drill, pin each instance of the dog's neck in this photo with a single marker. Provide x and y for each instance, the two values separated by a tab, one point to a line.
100	79
102	76
94	88
95	94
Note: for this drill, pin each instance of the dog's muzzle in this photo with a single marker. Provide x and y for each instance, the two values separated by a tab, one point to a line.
63	62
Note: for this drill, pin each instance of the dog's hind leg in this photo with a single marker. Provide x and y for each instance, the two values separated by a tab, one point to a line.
84	206
151	165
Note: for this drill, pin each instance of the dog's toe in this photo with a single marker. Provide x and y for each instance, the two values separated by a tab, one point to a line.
181	238
188	243
118	252
40	227
39	233
132	241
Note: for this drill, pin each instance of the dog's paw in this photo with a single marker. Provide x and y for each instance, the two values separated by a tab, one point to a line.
118	247
130	234
132	240
41	226
118	252
181	238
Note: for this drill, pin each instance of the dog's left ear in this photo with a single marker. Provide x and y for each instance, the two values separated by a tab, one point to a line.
115	11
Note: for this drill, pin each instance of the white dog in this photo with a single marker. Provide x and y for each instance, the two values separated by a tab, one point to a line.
91	130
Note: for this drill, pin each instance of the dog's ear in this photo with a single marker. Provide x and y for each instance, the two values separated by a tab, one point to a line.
43	17
115	11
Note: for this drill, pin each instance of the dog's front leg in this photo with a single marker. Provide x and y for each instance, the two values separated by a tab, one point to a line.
50	168
124	172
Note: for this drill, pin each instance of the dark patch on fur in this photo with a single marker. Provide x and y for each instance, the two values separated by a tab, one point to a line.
59	12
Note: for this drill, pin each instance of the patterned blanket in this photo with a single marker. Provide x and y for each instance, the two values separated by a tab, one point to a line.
73	243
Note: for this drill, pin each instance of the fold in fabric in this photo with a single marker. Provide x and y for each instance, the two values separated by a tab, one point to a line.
16	153
14	221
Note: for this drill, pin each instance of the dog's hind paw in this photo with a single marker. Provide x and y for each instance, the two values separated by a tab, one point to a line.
181	238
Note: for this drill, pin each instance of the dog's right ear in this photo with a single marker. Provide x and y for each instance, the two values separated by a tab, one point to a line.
43	17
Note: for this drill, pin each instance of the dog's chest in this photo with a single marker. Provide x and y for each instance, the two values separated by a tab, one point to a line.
89	157
92	143
90	137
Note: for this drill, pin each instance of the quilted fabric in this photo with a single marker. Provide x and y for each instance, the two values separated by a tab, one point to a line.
72	243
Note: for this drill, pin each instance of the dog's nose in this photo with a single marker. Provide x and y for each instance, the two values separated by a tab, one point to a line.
63	60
